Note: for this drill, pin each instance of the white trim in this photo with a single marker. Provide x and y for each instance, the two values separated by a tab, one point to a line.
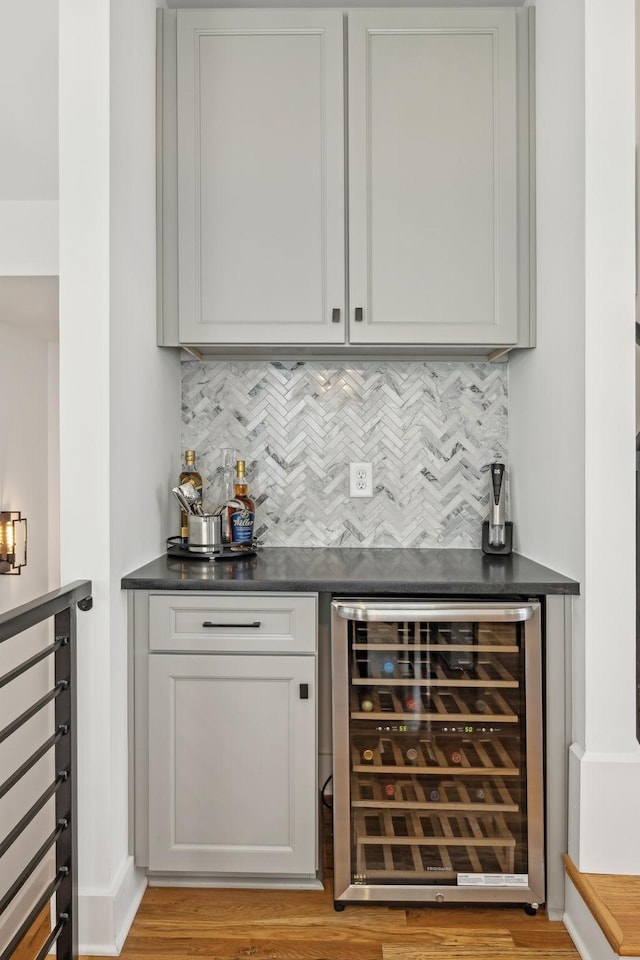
105	917
607	841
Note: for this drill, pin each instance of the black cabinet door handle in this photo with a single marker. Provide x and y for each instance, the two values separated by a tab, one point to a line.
359	312
304	691
335	315
241	626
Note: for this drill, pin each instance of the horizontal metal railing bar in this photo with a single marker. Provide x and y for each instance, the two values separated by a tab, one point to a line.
31	662
35	913
31	762
20	881
53	936
30	814
29	614
31	712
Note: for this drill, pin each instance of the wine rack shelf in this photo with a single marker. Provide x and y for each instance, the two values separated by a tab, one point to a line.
416	793
422	636
487	672
414	703
408	844
473	757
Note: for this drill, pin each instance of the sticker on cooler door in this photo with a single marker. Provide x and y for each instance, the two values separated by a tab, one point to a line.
493	879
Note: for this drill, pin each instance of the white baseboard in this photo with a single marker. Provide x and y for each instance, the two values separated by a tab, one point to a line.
589	940
105	916
237	883
22	904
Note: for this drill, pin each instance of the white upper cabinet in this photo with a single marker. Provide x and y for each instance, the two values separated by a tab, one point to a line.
260	176
375	210
433	191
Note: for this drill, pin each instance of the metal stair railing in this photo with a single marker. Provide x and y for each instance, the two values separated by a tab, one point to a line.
61	605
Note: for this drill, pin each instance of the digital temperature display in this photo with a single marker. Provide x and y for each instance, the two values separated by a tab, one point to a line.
467	728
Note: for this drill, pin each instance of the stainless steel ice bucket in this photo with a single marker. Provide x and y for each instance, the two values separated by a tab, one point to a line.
205	534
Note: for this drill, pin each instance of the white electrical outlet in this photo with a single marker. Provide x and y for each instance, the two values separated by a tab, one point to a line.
360	479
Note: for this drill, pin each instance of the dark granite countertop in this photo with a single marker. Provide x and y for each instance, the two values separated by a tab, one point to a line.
356	571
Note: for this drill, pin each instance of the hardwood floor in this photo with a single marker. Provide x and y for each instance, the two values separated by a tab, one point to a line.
188	923
183	924
302	925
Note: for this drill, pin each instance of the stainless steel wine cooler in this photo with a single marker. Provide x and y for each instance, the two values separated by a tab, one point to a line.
437	752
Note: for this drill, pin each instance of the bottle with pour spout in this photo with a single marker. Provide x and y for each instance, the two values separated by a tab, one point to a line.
497	533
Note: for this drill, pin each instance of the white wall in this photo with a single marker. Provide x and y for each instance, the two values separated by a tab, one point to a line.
29	138
28	385
28	416
572	402
119	409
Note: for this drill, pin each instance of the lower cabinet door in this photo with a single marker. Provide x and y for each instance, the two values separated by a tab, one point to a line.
232	764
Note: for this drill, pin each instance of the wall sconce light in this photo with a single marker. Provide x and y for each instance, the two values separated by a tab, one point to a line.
13	541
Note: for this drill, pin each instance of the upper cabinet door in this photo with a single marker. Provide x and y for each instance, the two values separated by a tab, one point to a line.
433	171
260	176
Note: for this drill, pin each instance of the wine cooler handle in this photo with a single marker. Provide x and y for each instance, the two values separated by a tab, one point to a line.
242	626
450	612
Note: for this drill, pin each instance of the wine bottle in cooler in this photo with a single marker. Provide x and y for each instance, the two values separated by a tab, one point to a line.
453	754
366	701
388	665
412	755
368	751
411	701
382	665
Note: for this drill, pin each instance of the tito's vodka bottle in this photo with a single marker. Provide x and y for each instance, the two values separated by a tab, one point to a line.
241	510
189	475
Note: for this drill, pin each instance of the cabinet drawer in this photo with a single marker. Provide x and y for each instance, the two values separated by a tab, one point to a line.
278	623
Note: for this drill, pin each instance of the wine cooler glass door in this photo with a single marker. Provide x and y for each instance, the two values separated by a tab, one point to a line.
437	751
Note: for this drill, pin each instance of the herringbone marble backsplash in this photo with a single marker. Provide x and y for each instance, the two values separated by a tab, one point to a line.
430	429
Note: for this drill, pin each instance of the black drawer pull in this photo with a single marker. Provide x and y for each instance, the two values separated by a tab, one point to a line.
242	626
304	691
359	312
335	315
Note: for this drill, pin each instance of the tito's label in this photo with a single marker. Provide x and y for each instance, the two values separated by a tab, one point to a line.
242	526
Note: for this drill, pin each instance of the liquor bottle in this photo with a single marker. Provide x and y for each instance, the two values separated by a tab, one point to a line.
189	475
240	511
390	789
